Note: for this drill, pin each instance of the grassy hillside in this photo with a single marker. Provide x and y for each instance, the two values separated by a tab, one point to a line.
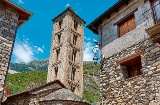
27	80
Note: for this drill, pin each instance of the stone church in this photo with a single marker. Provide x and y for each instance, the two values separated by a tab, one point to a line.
129	39
65	72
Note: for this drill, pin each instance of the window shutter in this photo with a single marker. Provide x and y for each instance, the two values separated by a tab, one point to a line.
127	26
131	24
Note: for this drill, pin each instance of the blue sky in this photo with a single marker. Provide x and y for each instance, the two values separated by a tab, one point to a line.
33	40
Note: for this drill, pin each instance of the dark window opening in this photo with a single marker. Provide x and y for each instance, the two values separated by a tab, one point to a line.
127	25
74	56
156	10
73	73
60	24
74	39
56	71
75	25
57	54
59	38
131	66
72	89
157	40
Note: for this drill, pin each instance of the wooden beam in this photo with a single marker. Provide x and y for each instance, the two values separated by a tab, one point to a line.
130	57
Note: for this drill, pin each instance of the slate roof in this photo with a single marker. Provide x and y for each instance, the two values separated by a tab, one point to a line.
63	94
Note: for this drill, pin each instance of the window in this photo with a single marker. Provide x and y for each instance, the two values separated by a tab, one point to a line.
59	38
73	73
72	89
74	56
56	71
74	39
60	24
127	25
156	10
73	78
57	54
75	25
131	66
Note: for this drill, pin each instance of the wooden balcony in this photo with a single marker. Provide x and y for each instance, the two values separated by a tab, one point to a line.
154	31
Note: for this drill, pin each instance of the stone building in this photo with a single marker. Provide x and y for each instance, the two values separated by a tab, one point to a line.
11	18
129	37
53	93
66	54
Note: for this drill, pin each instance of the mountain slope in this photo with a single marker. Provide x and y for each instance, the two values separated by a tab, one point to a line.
31	66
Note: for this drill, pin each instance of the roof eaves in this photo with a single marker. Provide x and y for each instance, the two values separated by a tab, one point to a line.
36	88
19	8
103	16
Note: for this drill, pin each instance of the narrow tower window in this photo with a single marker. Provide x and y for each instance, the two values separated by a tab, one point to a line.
56	71
60	24
73	73
59	38
74	39
57	54
72	89
74	56
75	25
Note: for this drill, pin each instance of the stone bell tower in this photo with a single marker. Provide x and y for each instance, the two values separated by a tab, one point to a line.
66	55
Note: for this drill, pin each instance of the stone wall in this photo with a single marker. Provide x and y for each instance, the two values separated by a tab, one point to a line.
65	46
139	90
61	102
109	31
8	27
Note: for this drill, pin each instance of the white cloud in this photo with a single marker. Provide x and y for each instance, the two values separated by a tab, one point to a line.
87	38
24	51
40	49
67	5
88	54
20	2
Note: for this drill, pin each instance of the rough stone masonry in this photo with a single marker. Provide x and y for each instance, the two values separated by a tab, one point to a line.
10	20
66	55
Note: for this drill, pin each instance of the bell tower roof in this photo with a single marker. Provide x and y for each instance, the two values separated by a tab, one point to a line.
72	11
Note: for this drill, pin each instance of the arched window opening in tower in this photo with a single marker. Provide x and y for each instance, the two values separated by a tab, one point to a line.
72	89
60	24
74	39
57	54
75	25
59	38
74	56
56	71
73	73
